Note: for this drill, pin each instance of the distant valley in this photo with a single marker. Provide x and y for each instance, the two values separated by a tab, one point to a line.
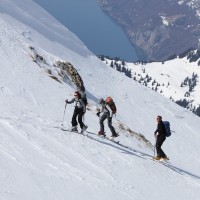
159	28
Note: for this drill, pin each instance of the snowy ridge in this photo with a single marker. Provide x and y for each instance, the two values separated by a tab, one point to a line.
176	79
39	161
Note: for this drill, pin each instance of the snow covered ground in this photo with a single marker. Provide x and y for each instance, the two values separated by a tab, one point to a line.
39	161
176	79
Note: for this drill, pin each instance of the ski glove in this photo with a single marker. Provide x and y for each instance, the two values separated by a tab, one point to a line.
98	114
66	100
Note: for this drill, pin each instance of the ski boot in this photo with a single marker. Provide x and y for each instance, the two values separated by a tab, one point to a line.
101	133
84	129
164	158
157	158
114	136
74	129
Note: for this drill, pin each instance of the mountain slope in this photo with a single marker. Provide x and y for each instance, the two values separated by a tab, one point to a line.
39	161
158	29
177	79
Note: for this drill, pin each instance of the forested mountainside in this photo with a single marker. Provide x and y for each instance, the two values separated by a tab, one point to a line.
176	78
157	28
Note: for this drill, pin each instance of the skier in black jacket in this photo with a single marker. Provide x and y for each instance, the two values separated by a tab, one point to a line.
160	138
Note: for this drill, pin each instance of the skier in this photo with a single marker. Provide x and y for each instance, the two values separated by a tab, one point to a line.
160	138
105	113
79	110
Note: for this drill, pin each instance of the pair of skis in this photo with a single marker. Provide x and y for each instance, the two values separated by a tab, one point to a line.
105	137
85	133
101	136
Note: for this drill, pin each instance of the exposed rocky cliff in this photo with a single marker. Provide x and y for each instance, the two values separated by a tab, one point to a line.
157	28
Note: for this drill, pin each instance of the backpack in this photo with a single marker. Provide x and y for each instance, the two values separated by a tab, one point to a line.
84	98
167	128
111	104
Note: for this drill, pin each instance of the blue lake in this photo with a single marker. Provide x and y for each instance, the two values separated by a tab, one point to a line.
98	32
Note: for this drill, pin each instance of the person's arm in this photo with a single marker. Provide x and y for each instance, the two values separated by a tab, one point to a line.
161	129
99	111
156	131
69	102
103	107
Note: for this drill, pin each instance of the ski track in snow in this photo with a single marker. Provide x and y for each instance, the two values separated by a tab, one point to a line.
121	147
49	154
142	155
40	161
58	163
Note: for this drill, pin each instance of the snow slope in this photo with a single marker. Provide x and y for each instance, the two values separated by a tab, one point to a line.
39	161
176	79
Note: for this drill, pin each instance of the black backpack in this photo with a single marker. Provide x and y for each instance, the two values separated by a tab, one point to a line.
84	98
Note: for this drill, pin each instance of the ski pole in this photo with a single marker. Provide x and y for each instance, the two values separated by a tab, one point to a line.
64	114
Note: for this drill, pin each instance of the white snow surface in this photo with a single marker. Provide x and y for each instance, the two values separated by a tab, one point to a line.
38	161
168	77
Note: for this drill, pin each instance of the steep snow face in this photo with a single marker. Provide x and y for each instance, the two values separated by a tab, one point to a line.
39	161
23	15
